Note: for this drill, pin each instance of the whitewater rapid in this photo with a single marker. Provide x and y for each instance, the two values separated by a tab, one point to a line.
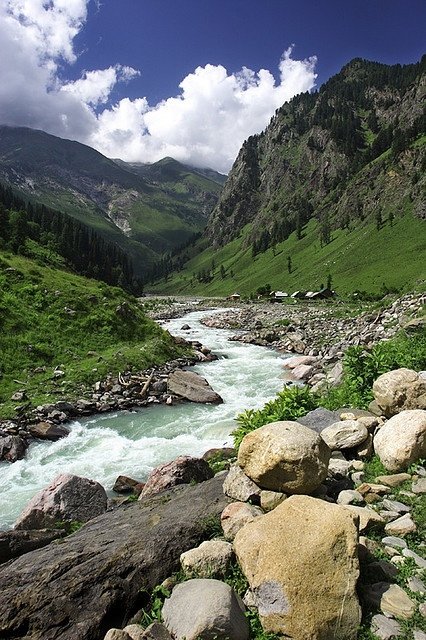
132	443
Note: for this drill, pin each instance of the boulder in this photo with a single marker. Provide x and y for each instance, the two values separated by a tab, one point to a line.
12	448
124	484
216	611
301	562
402	440
344	434
238	486
211	559
117	634
401	526
182	470
385	628
93	579
191	386
155	631
67	498
285	457
236	515
368	518
399	390
48	431
319	419
15	543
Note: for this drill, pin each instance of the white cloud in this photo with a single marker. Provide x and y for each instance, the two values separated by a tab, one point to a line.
204	124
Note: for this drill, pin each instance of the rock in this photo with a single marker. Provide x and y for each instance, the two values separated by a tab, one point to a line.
399	390
216	611
383	570
302	372
394	505
12	448
393	480
370	487
392	541
401	526
285	457
301	563
124	484
391	599
191	386
211	559
117	634
223	453
416	585
271	499
15	543
297	361
182	470
95	576
236	515
365	450
238	486
155	631
337	467
67	498
402	440
419	486
420	562
418	634
185	327
368	518
319	419
367	549
349	496
385	628
344	434
48	431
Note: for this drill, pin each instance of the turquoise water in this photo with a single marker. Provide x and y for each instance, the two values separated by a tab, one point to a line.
133	443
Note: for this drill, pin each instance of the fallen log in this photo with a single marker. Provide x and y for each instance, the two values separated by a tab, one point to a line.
83	585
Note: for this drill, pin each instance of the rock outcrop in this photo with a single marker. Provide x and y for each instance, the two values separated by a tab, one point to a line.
284	456
92	580
301	561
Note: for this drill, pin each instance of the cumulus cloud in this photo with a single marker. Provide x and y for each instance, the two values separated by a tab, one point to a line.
204	124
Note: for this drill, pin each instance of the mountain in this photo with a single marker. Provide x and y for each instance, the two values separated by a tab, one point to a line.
332	171
145	209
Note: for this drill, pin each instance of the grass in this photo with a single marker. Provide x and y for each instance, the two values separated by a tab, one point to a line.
356	260
52	319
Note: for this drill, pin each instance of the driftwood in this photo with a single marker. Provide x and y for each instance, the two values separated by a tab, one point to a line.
145	387
83	585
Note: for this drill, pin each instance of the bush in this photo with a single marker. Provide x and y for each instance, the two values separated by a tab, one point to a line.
290	404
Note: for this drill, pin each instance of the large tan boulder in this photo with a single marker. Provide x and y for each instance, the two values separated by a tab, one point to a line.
301	563
398	390
402	440
284	456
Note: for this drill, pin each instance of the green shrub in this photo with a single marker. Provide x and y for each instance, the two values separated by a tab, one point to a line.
290	404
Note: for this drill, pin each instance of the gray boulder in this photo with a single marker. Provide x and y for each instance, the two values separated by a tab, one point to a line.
67	498
319	419
12	448
191	386
238	486
211	559
216	611
182	470
48	431
344	434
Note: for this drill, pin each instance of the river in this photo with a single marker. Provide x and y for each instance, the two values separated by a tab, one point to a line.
134	442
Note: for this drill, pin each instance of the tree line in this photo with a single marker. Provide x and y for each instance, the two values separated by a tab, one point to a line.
83	249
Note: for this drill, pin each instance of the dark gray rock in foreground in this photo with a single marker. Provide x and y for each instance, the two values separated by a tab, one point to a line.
91	581
191	386
15	543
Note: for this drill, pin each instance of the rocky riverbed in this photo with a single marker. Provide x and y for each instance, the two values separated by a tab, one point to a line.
320	332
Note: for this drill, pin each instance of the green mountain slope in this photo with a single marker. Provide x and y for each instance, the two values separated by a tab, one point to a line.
51	319
336	184
144	212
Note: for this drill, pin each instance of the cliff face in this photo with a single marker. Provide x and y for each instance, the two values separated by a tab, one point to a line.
348	152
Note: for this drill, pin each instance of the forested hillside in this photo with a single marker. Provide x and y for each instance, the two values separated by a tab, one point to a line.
144	209
332	187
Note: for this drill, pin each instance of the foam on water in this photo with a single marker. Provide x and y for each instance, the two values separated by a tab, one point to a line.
134	442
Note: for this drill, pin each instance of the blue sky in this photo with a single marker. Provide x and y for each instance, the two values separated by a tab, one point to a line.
142	79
